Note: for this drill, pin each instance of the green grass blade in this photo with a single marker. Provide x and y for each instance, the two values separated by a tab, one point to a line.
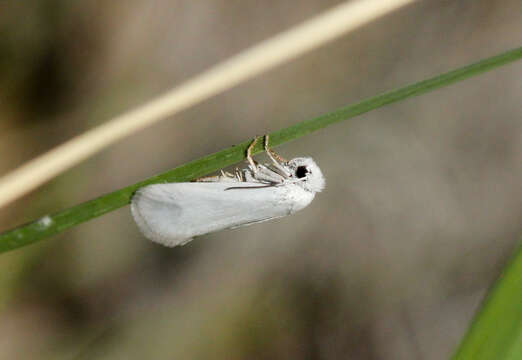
496	332
53	224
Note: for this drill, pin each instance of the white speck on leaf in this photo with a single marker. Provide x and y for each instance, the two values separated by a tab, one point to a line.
45	222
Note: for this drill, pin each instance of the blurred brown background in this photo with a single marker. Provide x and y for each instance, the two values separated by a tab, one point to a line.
422	208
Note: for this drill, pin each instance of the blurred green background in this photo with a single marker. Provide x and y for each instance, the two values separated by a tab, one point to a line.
422	208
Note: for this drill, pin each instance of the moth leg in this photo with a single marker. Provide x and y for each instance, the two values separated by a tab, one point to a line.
262	173
271	152
239	175
225	176
253	164
248	176
277	160
215	178
265	174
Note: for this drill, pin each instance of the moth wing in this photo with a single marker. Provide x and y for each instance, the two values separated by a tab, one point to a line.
171	214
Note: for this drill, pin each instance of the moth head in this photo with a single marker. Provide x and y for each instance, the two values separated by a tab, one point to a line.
307	174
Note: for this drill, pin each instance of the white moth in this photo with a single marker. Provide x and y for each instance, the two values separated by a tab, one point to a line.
172	214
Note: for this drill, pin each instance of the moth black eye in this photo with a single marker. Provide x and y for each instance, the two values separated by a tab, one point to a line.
301	172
